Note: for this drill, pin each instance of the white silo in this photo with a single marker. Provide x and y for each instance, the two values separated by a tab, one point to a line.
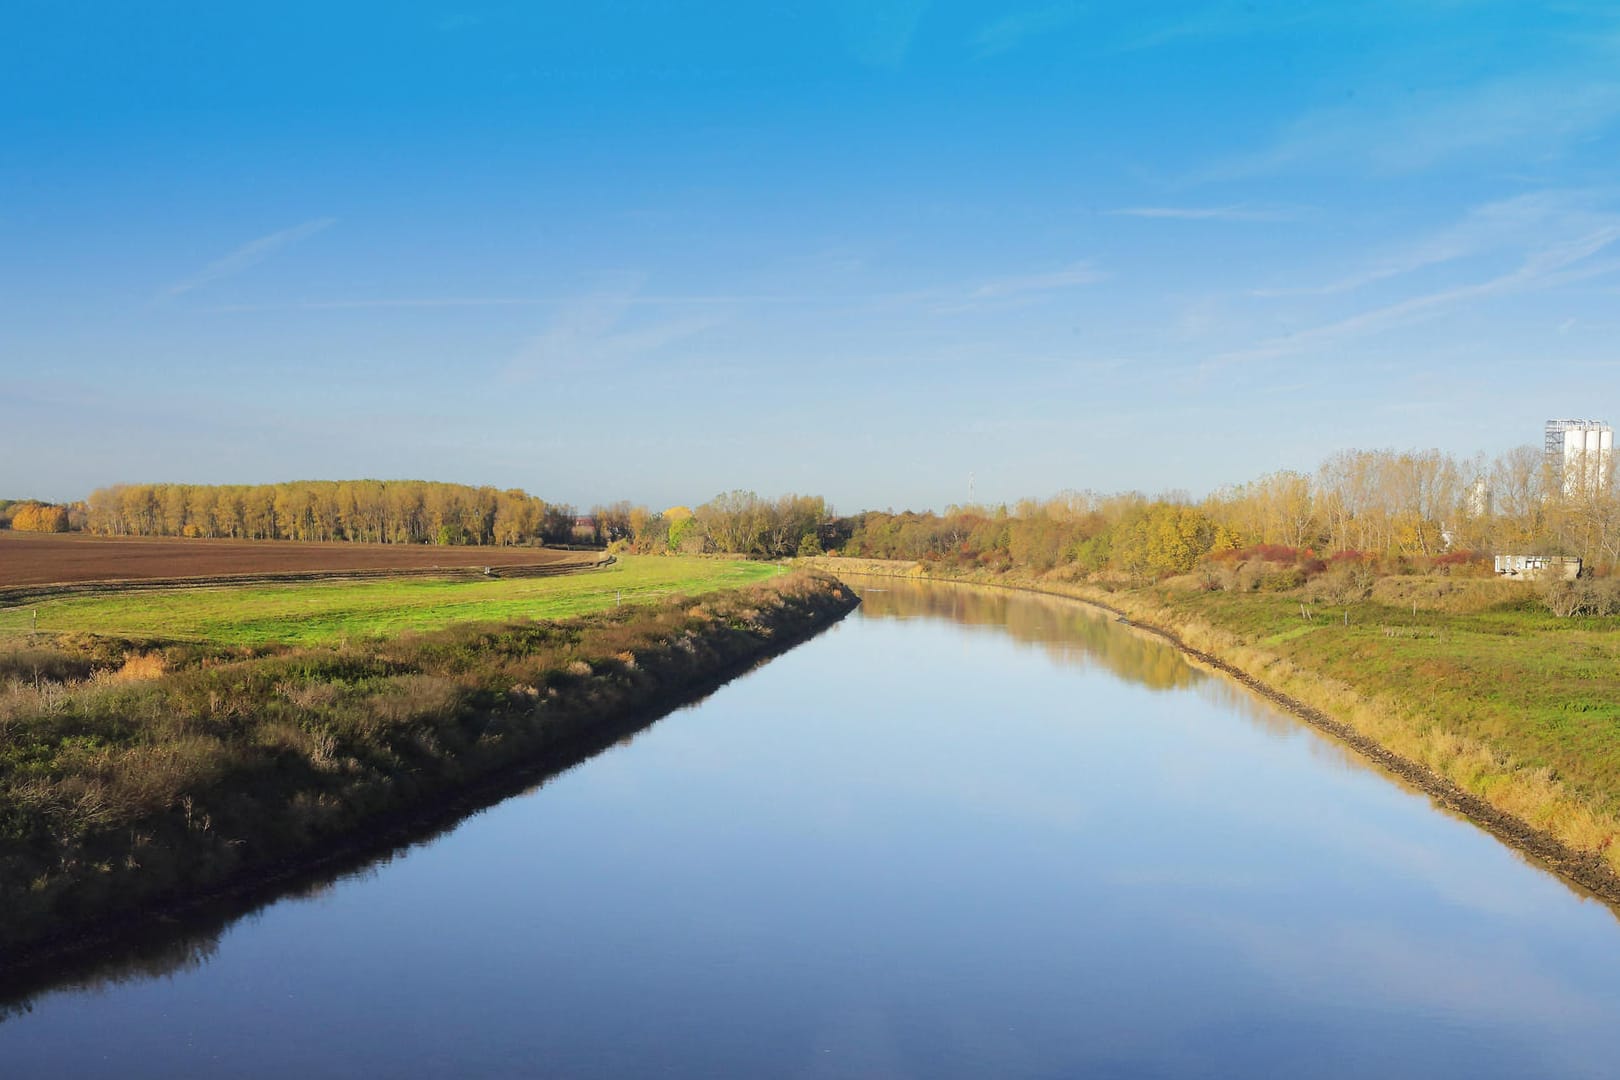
1582	451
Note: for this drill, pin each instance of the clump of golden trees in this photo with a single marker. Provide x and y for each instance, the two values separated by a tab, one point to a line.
33	516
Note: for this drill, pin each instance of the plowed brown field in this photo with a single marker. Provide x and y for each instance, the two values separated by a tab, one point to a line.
66	558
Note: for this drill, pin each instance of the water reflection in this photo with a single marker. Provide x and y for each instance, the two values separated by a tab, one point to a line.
1067	631
1073	633
125	962
1076	634
177	942
918	846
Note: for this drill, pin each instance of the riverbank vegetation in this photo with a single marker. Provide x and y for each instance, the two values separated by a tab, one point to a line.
138	771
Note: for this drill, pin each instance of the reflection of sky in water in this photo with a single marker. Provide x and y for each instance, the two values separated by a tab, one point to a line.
917	846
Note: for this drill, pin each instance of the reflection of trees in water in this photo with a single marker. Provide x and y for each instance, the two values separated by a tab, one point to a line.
1073	633
134	961
1067	631
1228	695
164	946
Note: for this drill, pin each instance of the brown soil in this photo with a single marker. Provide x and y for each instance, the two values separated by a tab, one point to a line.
67	558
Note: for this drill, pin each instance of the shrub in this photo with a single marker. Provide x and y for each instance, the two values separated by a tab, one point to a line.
1282	578
1346	581
1583	596
39	517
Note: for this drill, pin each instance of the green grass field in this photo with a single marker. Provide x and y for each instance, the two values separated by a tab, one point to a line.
307	613
1544	690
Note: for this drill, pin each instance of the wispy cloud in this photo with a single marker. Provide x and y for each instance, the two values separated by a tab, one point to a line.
1013	30
1527	116
878	33
1011	291
590	333
1228	18
1559	264
248	255
1238	212
1524	222
438	302
1073	276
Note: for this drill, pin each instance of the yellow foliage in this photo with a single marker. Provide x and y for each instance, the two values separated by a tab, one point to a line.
141	666
38	517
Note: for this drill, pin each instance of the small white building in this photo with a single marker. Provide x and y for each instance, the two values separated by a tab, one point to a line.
1538	567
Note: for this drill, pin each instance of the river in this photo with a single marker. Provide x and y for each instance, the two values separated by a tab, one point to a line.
963	833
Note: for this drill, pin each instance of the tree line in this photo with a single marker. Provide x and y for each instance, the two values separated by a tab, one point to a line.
1381	506
422	512
368	511
1385	506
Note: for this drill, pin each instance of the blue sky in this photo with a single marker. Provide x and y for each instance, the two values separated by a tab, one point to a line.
862	249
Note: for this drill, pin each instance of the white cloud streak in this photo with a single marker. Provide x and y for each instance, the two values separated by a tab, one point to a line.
1526	116
1229	18
1560	264
441	302
1011	291
878	33
1210	213
1078	274
249	255
1013	30
1524	222
588	334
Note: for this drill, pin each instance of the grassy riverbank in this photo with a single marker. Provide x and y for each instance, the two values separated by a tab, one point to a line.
1485	691
138	772
314	612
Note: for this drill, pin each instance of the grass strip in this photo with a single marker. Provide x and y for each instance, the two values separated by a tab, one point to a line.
316	613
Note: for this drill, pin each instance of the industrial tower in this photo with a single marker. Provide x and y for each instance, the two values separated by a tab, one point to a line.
1581	453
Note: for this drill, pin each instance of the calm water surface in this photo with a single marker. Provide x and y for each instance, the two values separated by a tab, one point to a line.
962	834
